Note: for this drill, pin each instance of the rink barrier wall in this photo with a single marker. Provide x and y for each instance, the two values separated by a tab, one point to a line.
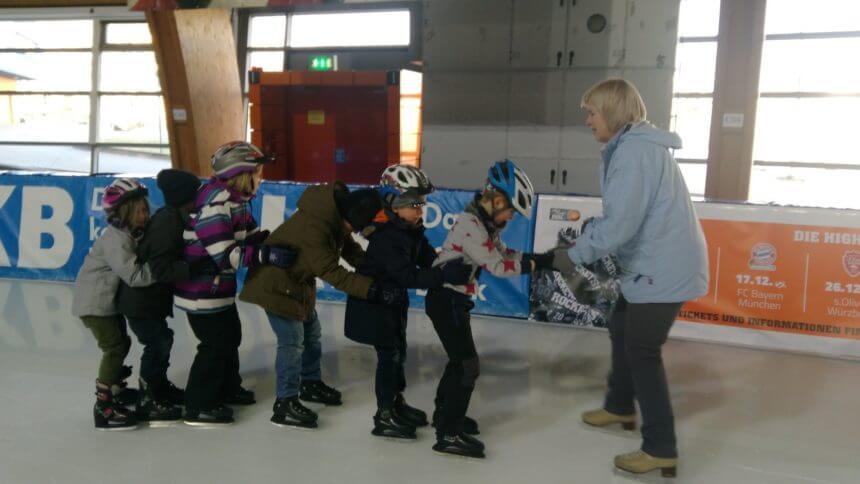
781	277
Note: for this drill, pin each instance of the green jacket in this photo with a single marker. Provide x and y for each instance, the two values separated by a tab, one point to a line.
316	229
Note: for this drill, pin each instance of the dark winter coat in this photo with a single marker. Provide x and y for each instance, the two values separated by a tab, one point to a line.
399	253
161	247
318	233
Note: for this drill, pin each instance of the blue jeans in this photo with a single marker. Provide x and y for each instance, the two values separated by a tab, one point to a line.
299	352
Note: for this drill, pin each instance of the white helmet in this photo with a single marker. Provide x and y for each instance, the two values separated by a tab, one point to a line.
403	185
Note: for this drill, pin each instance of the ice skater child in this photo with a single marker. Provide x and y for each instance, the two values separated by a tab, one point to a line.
113	259
146	308
224	232
399	252
475	238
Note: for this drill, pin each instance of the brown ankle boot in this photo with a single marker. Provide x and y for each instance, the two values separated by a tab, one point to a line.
640	462
602	418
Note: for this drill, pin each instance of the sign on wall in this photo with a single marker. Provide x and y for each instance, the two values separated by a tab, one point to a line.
586	297
495	296
781	277
775	280
48	224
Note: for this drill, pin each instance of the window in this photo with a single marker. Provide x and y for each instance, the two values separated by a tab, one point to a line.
81	94
266	49
349	29
693	87
411	88
804	151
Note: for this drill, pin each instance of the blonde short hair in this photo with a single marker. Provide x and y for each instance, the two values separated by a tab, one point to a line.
618	101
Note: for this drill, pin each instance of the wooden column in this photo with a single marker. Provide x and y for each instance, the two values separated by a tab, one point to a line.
739	50
199	75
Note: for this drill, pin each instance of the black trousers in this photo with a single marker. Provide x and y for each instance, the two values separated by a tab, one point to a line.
390	374
449	311
638	332
157	341
215	371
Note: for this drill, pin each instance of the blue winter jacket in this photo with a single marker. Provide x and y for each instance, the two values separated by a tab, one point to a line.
648	220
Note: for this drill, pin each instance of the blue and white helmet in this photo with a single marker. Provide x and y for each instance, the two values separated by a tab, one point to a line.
506	177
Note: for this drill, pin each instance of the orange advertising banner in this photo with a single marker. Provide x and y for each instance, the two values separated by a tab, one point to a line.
781	277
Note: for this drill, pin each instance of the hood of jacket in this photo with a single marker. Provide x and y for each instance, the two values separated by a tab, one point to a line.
318	201
641	132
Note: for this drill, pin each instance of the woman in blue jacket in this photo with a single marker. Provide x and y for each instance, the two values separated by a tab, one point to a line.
649	224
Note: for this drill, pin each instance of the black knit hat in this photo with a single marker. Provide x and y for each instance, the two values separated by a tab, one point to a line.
359	207
179	187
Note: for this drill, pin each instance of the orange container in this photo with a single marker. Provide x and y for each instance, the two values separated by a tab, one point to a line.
323	126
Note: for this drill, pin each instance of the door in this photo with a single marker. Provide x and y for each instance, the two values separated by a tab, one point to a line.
313	147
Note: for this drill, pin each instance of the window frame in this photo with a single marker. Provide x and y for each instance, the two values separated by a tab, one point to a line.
694	95
243	30
809	95
101	17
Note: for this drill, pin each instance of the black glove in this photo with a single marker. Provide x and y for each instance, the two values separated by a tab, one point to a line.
543	262
384	292
455	272
257	238
277	255
202	266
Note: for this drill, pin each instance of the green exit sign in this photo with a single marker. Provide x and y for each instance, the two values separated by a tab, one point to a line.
322	63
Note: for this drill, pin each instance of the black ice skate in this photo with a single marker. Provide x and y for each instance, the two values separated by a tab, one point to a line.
409	414
471	440
318	392
386	423
289	412
241	397
122	393
171	393
108	414
470	426
217	417
457	445
156	411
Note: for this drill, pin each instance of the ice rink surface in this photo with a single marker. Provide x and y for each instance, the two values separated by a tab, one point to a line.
743	415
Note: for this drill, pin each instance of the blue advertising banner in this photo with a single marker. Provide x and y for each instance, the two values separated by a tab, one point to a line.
48	223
